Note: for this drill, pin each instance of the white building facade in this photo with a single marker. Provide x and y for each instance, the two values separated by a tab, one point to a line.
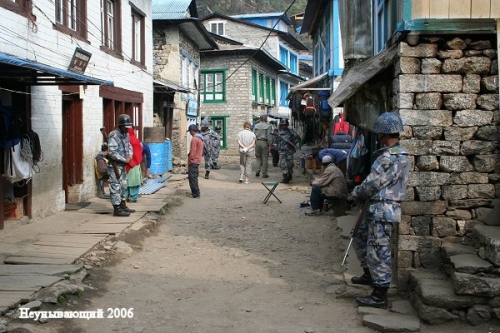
64	106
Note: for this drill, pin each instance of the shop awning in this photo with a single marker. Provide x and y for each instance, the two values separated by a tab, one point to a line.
34	73
311	83
360	74
167	86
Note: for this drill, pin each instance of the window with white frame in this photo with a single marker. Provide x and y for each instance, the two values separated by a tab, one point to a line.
111	25
71	17
213	86
138	37
218	27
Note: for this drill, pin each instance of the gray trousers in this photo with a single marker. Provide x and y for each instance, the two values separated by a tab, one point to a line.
261	156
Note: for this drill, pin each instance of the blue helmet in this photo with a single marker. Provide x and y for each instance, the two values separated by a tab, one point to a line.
205	123
388	123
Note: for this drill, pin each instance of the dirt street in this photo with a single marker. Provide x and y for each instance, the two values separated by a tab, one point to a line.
224	263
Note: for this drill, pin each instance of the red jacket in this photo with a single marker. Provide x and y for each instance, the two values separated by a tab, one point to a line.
196	150
136	149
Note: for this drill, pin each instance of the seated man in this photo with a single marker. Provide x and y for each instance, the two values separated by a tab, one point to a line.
331	184
338	156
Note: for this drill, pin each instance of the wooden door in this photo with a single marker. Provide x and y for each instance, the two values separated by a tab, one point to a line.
72	142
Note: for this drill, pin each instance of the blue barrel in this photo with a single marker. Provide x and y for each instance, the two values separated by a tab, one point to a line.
158	158
168	149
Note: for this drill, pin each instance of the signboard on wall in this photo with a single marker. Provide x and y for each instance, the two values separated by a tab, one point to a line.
80	60
192	108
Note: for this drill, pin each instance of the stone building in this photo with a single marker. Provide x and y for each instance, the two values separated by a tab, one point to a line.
178	38
232	79
68	72
437	66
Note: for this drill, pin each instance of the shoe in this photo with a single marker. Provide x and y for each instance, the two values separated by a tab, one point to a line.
241	180
314	212
247	181
257	174
207	173
117	211
378	298
265	176
195	196
123	206
365	279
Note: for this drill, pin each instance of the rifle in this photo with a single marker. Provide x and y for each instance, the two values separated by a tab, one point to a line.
287	141
356	228
111	160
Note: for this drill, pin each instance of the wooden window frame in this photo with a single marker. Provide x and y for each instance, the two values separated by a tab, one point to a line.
80	32
115	46
21	7
137	15
261	88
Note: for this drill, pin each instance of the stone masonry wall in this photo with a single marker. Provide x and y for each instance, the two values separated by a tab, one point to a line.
238	106
446	91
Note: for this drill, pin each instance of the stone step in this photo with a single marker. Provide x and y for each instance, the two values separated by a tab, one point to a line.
487	285
470	264
433	296
452	249
488	237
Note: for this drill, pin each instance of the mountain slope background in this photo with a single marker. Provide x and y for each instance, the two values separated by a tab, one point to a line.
235	7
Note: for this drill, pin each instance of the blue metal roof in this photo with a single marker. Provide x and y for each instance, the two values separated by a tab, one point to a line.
170	9
285	18
48	75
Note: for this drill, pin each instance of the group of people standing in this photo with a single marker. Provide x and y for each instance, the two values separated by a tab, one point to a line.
265	138
123	158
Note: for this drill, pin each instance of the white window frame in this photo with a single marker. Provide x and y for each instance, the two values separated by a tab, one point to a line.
218	25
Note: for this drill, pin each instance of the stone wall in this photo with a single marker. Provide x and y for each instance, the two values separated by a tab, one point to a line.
446	90
238	106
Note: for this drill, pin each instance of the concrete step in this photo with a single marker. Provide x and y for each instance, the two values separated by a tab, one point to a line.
451	249
470	263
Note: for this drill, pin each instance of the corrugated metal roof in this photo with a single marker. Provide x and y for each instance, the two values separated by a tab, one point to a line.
153	185
285	19
170	9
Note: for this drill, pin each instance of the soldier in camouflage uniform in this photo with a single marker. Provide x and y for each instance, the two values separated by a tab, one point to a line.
385	188
119	153
215	144
208	147
287	141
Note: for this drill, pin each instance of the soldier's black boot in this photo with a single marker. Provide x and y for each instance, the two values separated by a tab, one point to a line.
365	279
378	298
207	173
123	206
117	211
285	179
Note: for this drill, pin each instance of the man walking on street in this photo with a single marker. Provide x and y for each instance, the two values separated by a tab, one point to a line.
287	141
120	154
246	143
194	159
384	188
263	134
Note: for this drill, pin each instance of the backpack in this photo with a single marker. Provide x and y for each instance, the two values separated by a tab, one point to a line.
100	171
310	109
325	111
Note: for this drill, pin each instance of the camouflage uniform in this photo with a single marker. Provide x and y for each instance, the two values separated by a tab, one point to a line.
215	140
283	139
119	148
385	188
208	145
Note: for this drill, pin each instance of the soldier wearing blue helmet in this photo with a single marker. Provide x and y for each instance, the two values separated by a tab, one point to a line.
384	188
